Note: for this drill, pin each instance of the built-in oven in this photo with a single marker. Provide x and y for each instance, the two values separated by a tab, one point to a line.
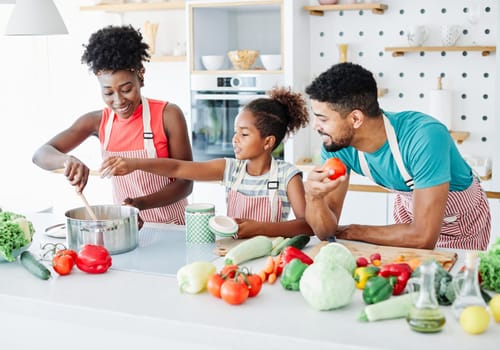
215	104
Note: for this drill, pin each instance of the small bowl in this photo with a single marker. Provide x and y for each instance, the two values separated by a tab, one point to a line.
223	226
328	2
212	62
243	59
271	62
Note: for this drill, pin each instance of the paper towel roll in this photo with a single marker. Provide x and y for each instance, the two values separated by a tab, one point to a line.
441	106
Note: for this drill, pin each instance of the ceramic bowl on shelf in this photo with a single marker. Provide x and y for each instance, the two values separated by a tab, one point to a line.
271	62
328	2
212	62
243	59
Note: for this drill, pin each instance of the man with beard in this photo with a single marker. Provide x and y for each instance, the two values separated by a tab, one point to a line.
438	200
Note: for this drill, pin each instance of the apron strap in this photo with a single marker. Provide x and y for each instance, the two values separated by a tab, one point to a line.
272	185
149	145
396	153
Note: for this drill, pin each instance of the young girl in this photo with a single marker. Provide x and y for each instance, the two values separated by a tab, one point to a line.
260	190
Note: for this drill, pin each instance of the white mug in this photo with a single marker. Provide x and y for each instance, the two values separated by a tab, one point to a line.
450	34
417	35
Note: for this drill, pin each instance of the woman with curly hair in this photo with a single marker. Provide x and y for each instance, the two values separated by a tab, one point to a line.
260	190
129	126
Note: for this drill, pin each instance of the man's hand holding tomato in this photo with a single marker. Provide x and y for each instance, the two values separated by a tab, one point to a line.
324	179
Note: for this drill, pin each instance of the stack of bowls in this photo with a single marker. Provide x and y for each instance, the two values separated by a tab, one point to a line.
212	62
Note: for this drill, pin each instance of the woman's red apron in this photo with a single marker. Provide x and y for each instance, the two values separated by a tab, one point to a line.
140	183
467	219
258	208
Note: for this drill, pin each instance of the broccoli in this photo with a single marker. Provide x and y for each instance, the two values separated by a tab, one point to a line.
15	232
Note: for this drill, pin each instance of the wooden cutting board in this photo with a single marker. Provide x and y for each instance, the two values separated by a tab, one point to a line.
388	254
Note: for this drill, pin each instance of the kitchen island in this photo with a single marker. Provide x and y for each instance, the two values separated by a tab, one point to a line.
123	310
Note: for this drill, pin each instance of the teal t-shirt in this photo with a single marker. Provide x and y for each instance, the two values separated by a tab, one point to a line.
429	154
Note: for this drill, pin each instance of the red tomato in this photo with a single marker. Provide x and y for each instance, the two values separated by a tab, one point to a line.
229	271
336	166
63	264
234	292
69	252
214	283
253	283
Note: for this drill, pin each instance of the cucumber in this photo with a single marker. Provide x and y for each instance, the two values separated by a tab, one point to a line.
277	241
394	307
253	248
31	264
279	247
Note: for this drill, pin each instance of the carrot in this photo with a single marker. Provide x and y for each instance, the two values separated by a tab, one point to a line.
263	276
269	267
272	278
277	261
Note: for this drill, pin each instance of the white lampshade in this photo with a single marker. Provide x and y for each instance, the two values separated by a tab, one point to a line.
35	17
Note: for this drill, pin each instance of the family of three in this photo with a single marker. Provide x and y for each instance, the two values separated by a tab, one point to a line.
147	153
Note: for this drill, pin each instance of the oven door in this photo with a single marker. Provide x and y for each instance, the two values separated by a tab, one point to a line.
212	121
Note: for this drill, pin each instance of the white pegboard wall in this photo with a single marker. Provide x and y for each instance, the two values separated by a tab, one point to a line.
409	78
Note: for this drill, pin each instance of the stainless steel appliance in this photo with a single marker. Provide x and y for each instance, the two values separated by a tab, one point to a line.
216	100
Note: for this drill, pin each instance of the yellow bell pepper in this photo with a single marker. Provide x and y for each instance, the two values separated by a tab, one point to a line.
362	274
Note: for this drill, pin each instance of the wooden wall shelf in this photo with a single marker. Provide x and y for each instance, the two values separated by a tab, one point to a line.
145	6
459	136
400	51
319	10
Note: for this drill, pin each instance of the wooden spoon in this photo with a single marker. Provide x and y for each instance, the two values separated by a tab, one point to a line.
89	208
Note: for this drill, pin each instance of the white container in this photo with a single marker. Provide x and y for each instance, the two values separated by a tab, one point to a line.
271	62
212	62
223	226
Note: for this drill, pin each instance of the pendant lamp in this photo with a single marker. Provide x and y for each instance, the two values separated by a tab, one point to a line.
35	17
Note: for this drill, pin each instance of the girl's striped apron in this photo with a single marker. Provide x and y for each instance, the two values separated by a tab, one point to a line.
140	183
467	219
258	208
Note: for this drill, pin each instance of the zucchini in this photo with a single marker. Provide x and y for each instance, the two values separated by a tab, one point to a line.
299	241
31	264
394	307
277	241
253	248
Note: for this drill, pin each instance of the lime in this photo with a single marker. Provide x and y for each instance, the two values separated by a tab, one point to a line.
474	319
494	305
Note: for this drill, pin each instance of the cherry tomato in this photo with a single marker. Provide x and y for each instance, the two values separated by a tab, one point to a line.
63	264
336	166
253	282
375	256
361	261
214	283
229	271
234	292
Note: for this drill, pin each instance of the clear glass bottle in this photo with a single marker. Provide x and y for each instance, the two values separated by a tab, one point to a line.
425	316
466	285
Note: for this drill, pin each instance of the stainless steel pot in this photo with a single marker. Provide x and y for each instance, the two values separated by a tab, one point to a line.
115	228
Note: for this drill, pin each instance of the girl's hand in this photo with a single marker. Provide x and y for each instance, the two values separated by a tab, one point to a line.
116	166
247	228
76	172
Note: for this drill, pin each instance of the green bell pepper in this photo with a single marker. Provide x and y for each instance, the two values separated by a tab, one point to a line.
292	272
377	289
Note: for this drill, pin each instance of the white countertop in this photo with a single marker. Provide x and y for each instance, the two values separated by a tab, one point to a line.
134	310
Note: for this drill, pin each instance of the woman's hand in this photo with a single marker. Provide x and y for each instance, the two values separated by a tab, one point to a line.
76	172
130	202
116	166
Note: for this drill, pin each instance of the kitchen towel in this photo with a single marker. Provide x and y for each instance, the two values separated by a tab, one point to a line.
441	106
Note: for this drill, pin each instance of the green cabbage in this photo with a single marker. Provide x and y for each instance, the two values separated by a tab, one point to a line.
336	254
326	287
15	232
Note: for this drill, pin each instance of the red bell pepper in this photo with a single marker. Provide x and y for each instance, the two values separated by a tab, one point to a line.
290	253
93	259
401	271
